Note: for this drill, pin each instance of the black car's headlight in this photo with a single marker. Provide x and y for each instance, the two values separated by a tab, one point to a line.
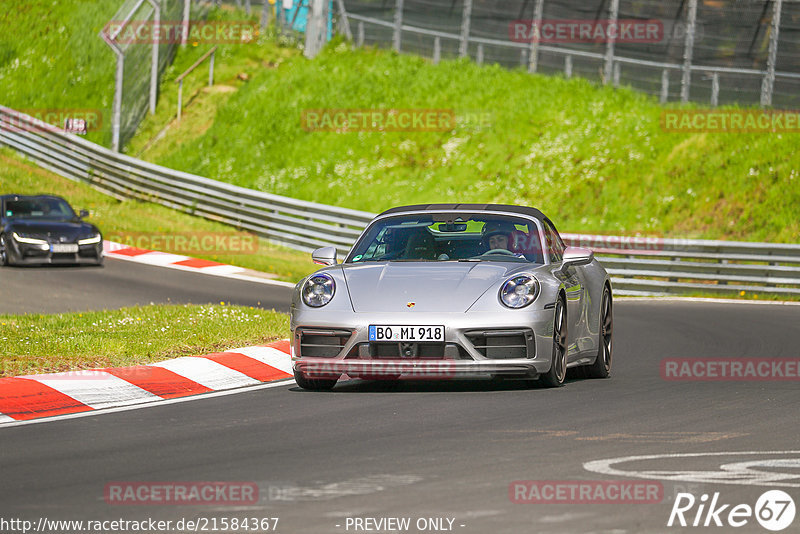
91	240
318	290
519	291
27	240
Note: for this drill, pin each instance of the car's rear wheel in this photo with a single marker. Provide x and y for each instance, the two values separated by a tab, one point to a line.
601	368
558	366
314	384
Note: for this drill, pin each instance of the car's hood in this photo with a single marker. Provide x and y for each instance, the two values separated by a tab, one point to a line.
431	286
52	228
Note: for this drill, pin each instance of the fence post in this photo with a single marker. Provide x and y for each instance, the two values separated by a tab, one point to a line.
568	66
360	39
398	24
437	50
154	56
117	112
185	21
247	7
265	16
664	86
345	22
479	56
688	50
463	47
613	12
523	58
211	69
180	98
536	33
768	83
616	70
714	89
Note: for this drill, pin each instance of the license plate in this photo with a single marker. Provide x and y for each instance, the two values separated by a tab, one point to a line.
406	333
64	248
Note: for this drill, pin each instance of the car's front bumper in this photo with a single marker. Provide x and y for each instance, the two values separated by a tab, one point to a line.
35	254
504	343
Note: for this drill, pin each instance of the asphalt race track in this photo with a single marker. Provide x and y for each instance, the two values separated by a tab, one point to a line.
441	449
57	289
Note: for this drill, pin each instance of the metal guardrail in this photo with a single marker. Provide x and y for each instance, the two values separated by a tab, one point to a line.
638	265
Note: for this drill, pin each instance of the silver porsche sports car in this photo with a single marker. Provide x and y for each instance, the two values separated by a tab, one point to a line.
453	290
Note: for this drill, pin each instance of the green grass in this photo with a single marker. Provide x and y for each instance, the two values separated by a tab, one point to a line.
130	336
115	217
594	158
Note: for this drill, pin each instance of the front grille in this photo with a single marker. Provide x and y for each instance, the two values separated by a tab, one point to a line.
503	344
322	343
409	351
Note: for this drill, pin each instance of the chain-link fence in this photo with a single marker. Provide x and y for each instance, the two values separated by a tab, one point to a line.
142	35
710	51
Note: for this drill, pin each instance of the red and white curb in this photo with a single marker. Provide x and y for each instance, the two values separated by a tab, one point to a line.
186	263
23	398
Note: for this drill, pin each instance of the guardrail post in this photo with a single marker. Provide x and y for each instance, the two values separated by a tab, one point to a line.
479	55
568	66
613	13
664	86
688	50
360	39
463	47
398	24
437	50
768	83
117	111
714	89
536	29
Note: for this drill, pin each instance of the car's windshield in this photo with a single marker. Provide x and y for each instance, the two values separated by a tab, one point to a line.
38	208
450	237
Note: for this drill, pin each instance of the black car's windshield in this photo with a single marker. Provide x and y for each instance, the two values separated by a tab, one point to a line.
39	208
450	237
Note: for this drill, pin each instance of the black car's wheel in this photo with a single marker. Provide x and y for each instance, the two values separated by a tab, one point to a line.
601	368
314	384
558	367
4	252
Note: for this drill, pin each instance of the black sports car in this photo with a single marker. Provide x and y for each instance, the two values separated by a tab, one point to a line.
45	229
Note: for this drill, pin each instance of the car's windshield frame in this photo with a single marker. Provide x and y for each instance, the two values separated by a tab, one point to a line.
70	215
443	216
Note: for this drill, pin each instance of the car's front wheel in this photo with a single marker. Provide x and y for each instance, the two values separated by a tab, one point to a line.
558	366
314	384
4	252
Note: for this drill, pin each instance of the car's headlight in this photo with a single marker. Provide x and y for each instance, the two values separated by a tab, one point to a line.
318	290
519	291
90	240
29	240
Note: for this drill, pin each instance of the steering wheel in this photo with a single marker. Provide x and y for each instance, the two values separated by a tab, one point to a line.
498	251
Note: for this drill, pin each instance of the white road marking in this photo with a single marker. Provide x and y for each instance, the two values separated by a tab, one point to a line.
739	473
5	419
268	355
96	389
207	372
155	404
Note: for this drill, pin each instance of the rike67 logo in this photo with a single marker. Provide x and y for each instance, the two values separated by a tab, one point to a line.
774	510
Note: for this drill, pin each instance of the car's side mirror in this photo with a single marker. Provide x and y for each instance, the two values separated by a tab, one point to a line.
324	256
575	256
83	213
